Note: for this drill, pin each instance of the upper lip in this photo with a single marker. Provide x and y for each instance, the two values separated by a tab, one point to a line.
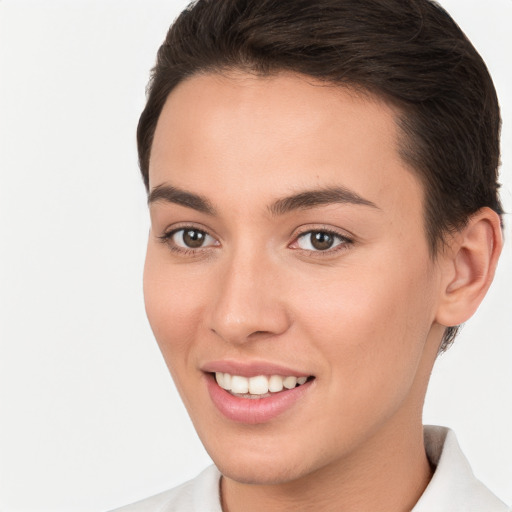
251	368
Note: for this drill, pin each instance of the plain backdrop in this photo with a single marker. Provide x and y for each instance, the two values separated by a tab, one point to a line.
89	418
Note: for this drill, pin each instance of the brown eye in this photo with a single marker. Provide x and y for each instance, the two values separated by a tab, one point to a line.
190	238
320	240
193	238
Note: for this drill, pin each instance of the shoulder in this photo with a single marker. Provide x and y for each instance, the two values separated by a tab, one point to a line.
196	495
454	487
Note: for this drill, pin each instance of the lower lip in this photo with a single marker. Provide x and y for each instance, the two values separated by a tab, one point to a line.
253	411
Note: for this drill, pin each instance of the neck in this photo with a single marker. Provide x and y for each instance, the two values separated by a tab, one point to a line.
389	473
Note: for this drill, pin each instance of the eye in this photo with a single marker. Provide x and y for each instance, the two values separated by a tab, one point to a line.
190	238
320	241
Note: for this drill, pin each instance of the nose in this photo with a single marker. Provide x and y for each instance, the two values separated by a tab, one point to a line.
250	301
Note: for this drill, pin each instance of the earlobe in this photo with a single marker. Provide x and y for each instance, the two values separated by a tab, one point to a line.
469	266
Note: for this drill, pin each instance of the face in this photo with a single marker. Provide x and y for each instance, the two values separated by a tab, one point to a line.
287	242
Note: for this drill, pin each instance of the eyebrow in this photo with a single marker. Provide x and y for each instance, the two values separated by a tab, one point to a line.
300	201
175	195
313	198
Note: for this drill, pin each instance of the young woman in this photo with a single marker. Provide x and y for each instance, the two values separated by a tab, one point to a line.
322	185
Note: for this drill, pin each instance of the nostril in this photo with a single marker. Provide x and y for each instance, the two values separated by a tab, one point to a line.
259	334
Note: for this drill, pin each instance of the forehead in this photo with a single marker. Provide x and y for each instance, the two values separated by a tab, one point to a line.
276	135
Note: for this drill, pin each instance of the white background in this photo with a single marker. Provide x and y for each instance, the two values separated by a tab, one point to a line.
89	418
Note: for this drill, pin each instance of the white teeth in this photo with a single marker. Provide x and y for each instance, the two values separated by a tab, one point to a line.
290	382
239	384
258	385
226	381
275	383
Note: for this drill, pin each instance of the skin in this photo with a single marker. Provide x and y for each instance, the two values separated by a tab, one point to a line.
365	317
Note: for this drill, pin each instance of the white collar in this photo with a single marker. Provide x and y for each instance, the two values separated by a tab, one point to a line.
454	487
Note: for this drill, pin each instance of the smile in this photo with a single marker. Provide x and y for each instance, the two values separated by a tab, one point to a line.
258	398
259	386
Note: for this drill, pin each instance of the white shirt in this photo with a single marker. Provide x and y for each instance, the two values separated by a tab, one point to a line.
453	487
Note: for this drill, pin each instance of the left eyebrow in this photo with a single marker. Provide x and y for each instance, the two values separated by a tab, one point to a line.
313	198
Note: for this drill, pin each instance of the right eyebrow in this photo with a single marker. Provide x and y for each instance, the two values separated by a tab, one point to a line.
170	194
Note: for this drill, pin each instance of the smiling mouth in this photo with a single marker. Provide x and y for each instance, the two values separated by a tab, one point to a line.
259	386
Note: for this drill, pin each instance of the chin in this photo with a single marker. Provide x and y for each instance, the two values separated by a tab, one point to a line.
260	463
269	473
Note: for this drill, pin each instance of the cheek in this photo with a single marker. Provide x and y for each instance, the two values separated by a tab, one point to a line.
174	306
370	323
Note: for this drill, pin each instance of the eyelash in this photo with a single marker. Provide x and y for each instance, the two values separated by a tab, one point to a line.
344	242
166	239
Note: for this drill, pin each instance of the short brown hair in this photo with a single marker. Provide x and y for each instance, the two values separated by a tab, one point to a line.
410	52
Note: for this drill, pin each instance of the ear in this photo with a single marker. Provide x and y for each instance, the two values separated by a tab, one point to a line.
468	266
